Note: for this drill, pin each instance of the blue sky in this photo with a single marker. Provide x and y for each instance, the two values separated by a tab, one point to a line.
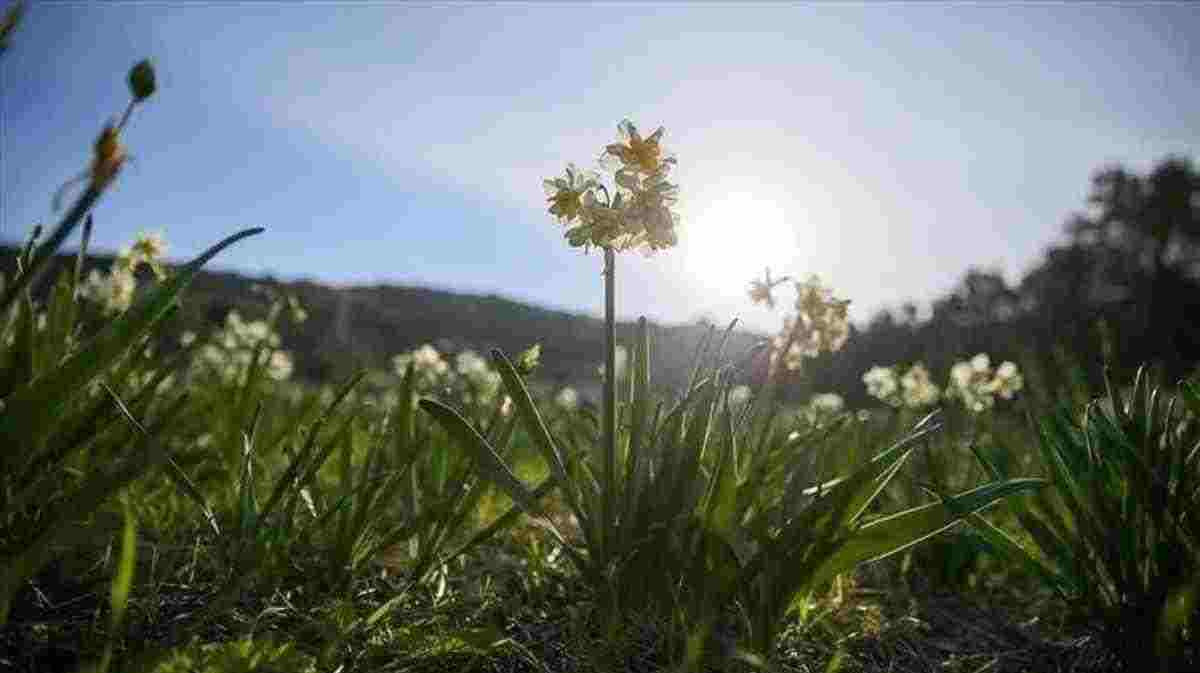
885	147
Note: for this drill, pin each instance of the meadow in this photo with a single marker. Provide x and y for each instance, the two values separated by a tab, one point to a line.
193	507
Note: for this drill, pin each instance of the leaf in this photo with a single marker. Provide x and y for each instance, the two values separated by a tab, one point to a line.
121	585
888	535
30	410
528	413
97	488
299	461
491	463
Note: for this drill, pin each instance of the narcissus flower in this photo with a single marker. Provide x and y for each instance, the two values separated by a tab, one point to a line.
882	385
149	249
565	194
760	290
827	403
112	291
918	388
637	212
640	154
974	383
820	325
1008	380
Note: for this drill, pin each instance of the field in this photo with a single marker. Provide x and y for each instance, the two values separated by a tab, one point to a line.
175	500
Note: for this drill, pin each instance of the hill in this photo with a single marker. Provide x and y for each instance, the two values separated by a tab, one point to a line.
364	326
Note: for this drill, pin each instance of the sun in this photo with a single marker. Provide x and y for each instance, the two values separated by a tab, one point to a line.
732	238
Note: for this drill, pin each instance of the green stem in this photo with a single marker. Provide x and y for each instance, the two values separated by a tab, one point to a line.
610	390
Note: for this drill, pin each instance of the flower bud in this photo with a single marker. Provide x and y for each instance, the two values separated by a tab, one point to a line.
528	360
141	80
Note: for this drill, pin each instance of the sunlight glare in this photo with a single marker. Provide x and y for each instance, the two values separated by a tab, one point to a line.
732	239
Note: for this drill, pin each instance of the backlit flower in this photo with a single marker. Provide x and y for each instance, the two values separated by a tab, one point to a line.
882	385
971	381
1008	380
565	194
644	155
918	389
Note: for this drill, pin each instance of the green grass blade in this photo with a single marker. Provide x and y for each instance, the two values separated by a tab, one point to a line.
528	413
85	499
1003	545
121	585
30	410
301	459
493	466
888	535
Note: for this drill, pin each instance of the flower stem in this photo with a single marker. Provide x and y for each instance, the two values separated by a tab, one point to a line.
610	388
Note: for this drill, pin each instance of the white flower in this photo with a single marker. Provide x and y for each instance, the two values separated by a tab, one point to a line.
822	408
881	384
231	352
149	249
149	246
919	389
470	364
428	359
428	365
113	291
827	403
567	398
279	367
1008	380
971	381
961	374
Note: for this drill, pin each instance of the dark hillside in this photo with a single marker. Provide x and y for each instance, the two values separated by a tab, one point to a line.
365	326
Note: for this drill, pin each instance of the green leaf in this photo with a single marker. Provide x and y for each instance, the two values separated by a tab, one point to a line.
1002	544
289	478
528	413
121	585
97	488
492	464
890	534
30	410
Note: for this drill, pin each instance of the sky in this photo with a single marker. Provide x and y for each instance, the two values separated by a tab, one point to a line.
885	147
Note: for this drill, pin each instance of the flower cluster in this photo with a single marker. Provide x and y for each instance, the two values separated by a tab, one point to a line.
820	324
918	389
471	380
232	351
882	384
113	291
479	383
977	385
914	389
427	364
822	408
636	212
972	381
